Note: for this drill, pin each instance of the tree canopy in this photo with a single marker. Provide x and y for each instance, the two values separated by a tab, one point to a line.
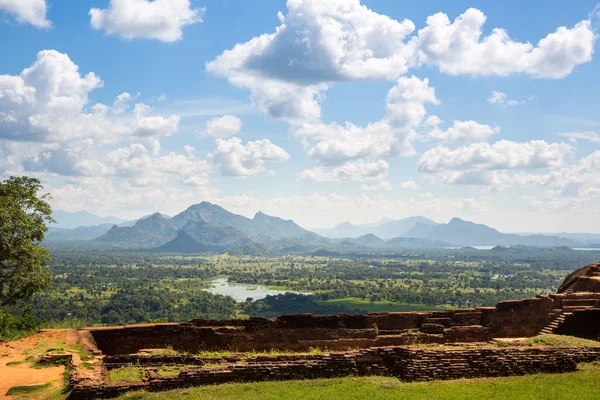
24	213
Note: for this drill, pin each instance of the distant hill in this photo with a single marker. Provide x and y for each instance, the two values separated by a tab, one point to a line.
369	240
69	220
204	227
385	228
464	233
149	232
202	237
132	222
79	233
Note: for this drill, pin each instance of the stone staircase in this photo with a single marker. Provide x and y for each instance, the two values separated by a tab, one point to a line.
557	321
570	302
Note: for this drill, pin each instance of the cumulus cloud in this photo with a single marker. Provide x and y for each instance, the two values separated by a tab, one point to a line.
468	131
233	158
504	154
223	127
158	19
335	144
356	171
48	102
409	185
321	42
501	99
458	48
27	11
317	43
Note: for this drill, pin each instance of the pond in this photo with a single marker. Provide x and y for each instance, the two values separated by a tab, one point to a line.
241	291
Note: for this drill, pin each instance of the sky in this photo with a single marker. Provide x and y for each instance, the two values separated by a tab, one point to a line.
320	111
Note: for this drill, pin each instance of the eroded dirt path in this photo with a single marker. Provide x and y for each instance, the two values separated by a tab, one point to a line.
24	373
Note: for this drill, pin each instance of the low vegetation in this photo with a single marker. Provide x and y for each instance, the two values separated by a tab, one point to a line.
579	385
118	288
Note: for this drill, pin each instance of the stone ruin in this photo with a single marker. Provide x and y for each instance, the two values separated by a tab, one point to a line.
373	344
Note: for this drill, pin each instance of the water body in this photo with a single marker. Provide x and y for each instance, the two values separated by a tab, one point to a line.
586	249
241	291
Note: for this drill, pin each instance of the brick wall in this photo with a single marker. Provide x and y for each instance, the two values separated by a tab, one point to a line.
406	363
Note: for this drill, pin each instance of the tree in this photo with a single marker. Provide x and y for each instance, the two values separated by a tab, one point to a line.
24	213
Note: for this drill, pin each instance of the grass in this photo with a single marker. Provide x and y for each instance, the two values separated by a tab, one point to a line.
579	385
8	364
357	304
27	389
126	374
561	341
264	353
137	373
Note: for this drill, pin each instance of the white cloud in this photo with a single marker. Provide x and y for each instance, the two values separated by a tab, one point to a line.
158	19
104	196
48	102
233	158
585	135
500	155
321	42
122	101
409	185
27	11
459	48
223	127
355	171
381	186
468	131
334	144
317	43
501	99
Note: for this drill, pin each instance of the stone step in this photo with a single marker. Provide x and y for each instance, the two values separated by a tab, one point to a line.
573	308
580	302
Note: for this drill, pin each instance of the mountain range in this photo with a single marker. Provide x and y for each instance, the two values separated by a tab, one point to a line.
464	233
385	228
209	228
71	220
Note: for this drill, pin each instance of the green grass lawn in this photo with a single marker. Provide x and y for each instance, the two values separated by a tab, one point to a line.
581	385
353	303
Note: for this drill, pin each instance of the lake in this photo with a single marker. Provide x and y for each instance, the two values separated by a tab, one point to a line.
241	291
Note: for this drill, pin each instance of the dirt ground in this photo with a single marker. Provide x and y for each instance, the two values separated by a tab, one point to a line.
24	374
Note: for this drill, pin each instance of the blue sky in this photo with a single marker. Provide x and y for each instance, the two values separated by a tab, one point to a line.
320	111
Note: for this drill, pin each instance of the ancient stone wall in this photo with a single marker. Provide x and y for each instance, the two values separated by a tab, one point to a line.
514	318
582	323
406	363
520	318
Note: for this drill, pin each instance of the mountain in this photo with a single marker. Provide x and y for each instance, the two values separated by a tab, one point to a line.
68	220
262	228
152	231
79	233
204	227
369	240
132	222
384	228
202	237
394	229
584	239
464	233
